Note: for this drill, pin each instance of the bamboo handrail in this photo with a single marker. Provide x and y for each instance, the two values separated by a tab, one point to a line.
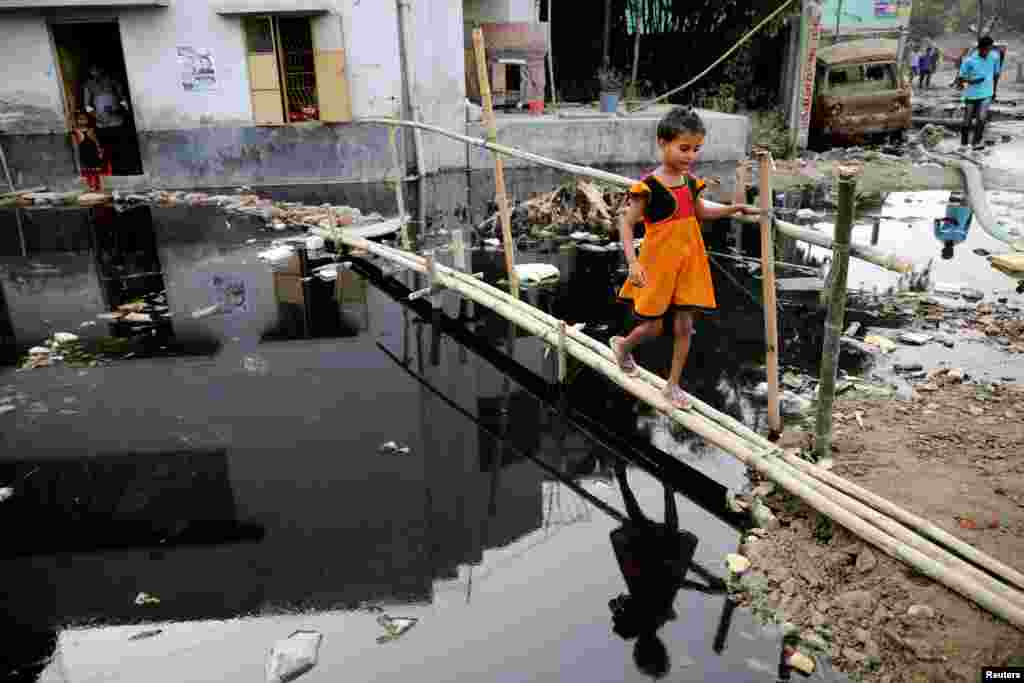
876	256
842	508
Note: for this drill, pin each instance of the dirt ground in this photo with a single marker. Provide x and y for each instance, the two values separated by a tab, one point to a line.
955	456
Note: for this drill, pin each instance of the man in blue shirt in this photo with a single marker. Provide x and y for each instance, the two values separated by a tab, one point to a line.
977	76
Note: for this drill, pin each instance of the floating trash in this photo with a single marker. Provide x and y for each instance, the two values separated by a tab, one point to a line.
6	493
146	599
256	365
294	656
393	448
394	627
206	312
142	635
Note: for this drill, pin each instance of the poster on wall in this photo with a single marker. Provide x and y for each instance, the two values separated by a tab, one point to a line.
806	92
198	73
227	296
855	16
892	9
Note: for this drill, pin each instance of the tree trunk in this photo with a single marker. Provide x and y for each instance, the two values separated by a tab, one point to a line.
607	44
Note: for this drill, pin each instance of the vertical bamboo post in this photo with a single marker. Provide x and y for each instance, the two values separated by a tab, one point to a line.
771	328
435	310
563	361
739	196
396	159
836	313
636	58
499	163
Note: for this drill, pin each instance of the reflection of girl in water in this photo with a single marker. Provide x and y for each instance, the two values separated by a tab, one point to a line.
654	559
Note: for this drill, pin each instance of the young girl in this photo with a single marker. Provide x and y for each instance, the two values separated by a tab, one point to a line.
90	153
672	273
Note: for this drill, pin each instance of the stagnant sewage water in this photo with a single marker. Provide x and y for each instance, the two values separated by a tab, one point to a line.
316	455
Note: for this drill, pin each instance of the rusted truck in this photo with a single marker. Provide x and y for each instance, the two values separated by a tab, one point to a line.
859	94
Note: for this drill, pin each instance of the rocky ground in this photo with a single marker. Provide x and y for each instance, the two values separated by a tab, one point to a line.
951	451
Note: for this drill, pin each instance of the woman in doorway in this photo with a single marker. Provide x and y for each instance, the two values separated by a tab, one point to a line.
90	152
104	97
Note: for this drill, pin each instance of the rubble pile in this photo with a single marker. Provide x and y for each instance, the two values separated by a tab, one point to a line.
579	206
276	215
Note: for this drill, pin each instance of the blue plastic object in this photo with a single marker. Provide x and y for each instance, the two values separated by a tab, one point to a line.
953	229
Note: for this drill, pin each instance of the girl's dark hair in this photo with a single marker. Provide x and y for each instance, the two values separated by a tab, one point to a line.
680	121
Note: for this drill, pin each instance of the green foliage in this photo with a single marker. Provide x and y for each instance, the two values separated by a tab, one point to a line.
722	98
824	529
770	131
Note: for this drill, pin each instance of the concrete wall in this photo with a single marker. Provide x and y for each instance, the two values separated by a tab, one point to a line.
609	141
483	11
30	100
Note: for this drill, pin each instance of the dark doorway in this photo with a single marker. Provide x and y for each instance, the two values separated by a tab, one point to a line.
96	95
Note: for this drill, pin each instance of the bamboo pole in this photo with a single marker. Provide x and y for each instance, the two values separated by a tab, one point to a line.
725	421
907	536
399	176
771	327
845	494
836	314
499	163
784	475
926	528
879	258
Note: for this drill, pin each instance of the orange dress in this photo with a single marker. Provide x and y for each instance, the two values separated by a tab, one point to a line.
673	254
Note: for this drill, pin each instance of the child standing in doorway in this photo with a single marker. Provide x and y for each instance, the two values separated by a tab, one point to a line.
90	153
671	278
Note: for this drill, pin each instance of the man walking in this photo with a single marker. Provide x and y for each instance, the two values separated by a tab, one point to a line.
977	76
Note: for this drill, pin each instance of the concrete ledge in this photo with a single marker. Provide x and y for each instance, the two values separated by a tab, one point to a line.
601	141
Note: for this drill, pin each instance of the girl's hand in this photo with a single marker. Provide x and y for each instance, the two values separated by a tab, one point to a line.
748	210
637	275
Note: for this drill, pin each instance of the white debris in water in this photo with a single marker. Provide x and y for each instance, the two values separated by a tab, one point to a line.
294	656
392	448
205	312
255	365
535	273
64	337
88	323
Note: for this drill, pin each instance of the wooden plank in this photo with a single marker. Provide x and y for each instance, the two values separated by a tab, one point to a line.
771	326
332	86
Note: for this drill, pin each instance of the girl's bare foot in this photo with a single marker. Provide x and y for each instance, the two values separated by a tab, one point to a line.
625	360
677	397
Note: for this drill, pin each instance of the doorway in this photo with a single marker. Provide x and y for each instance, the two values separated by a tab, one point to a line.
95	89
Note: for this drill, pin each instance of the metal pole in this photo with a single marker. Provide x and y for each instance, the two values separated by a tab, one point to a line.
836	313
551	64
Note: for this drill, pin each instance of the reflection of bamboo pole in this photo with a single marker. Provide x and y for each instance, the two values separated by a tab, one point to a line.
499	163
879	258
771	328
836	313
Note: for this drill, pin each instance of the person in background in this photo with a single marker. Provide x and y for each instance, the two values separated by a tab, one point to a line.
90	152
915	64
104	97
977	77
929	63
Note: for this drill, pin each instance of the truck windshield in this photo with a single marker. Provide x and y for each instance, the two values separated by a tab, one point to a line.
861	79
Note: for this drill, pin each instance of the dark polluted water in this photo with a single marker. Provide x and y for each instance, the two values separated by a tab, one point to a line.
316	455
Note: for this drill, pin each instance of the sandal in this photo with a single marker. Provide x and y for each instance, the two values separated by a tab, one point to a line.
625	360
677	397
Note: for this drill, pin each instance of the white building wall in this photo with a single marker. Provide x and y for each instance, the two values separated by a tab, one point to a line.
150	38
30	99
440	75
371	50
